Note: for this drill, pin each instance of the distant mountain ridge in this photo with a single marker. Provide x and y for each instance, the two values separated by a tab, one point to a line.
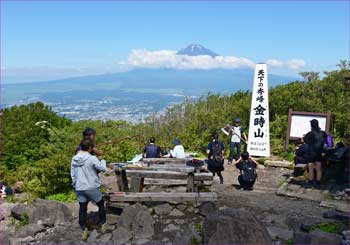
195	50
187	82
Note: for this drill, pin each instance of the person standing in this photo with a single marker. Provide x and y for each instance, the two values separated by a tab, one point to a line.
315	139
178	151
85	169
152	150
215	153
236	132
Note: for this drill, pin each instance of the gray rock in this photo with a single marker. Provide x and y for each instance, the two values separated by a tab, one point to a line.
345	239
277	233
22	240
206	208
171	227
121	235
138	220
93	237
19	210
5	208
162	209
180	221
219	226
39	210
141	241
176	213
112	219
182	207
105	239
320	237
30	230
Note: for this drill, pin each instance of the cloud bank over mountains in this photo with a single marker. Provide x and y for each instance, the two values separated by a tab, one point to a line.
196	56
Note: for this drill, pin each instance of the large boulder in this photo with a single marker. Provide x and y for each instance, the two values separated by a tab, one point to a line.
138	221
228	226
206	208
316	237
42	211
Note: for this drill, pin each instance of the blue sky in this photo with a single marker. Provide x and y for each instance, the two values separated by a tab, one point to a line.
44	40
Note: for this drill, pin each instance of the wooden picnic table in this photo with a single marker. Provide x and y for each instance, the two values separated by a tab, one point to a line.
155	171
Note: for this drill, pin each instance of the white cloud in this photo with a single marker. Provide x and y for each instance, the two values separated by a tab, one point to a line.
290	64
169	59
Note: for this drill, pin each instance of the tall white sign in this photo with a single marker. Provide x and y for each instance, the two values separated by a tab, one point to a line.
259	131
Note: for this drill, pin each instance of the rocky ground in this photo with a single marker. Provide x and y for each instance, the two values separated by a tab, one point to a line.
258	216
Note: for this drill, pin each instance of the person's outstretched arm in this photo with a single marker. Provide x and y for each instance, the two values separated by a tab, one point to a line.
99	165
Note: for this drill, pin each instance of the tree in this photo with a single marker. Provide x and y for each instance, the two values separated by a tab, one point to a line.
309	76
344	64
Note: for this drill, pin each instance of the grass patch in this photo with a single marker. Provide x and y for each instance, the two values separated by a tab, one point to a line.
261	160
203	188
20	223
199	229
63	197
329	227
290	241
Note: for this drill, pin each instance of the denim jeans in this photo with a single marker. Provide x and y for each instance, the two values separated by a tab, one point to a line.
232	149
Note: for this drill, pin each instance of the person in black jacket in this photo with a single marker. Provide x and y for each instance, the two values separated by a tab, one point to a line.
152	150
215	153
315	139
247	167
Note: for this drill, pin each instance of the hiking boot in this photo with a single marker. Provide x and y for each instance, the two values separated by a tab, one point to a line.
104	228
221	180
85	234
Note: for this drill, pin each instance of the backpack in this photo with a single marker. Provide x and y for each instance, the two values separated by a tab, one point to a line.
248	172
319	141
217	152
329	141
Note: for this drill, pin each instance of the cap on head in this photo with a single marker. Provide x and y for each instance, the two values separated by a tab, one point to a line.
237	120
177	142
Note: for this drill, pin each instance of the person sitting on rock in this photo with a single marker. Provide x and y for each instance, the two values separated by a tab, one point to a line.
178	151
90	133
152	150
247	167
215	153
5	190
85	180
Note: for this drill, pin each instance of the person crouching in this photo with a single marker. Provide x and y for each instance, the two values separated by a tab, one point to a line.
247	167
86	183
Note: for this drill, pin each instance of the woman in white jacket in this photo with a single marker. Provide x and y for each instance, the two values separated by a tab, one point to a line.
178	151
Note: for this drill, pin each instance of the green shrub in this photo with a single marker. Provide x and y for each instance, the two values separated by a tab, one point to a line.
63	197
329	227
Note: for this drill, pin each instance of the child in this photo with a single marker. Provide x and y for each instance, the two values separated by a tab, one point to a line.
247	167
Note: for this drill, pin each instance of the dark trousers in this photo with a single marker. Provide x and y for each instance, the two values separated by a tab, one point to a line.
232	150
83	213
244	184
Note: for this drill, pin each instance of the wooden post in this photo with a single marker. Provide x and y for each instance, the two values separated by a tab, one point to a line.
190	182
135	184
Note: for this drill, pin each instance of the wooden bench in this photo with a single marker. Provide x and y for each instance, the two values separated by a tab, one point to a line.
162	197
